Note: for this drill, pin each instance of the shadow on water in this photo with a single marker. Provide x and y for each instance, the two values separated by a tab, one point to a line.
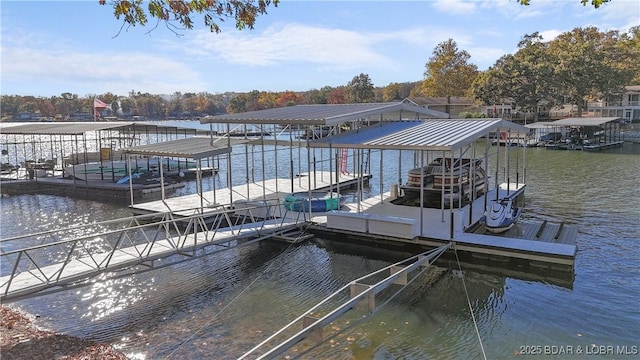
511	268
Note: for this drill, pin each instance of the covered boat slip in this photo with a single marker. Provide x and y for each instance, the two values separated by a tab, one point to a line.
381	216
327	177
49	147
585	133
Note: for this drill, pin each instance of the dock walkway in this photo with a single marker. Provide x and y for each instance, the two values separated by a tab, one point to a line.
65	263
271	189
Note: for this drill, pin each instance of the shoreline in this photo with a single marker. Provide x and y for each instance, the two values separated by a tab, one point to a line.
20	338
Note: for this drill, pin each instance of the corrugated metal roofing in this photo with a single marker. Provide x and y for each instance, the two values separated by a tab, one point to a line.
60	128
79	128
192	148
440	135
584	121
328	114
540	125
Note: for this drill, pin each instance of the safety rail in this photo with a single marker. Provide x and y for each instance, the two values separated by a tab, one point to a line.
358	294
64	258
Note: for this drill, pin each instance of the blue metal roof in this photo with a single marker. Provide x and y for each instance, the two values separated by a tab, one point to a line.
443	135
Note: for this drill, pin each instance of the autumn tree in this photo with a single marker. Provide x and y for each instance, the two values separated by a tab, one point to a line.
176	14
267	100
337	95
360	89
397	91
288	98
448	72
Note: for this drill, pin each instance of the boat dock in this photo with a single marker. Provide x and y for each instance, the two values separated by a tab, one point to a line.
376	221
250	194
100	190
380	222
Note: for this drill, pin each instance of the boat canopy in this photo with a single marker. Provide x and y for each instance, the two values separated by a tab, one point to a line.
329	114
584	121
196	148
80	128
434	134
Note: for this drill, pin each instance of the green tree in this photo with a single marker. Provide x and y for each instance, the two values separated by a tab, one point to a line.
9	105
180	13
391	92
526	77
237	104
448	72
360	89
127	105
629	46
587	65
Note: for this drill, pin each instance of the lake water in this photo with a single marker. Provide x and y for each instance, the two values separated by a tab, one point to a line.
220	306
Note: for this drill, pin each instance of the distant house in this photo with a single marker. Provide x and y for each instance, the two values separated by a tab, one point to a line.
625	106
452	105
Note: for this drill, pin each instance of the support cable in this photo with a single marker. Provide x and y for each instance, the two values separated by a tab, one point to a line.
466	293
226	306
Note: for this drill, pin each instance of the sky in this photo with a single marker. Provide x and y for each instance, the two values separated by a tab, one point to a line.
52	47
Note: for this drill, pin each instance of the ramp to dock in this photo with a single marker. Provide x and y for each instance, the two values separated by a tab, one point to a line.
61	261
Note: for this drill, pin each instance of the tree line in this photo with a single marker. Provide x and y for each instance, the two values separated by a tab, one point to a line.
578	66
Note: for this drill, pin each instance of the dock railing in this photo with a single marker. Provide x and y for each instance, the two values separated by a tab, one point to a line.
58	259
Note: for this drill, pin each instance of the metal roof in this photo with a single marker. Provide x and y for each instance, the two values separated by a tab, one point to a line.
540	125
60	128
328	114
79	128
196	147
441	135
582	121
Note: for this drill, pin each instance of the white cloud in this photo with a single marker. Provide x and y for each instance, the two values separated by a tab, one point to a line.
291	44
96	72
455	6
550	35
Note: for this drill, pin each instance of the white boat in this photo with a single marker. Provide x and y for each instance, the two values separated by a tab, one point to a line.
501	216
115	170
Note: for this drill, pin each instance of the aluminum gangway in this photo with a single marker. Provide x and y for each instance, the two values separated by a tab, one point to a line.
55	260
360	293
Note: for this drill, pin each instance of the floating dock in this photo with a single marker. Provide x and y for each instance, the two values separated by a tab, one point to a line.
100	190
250	194
382	223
